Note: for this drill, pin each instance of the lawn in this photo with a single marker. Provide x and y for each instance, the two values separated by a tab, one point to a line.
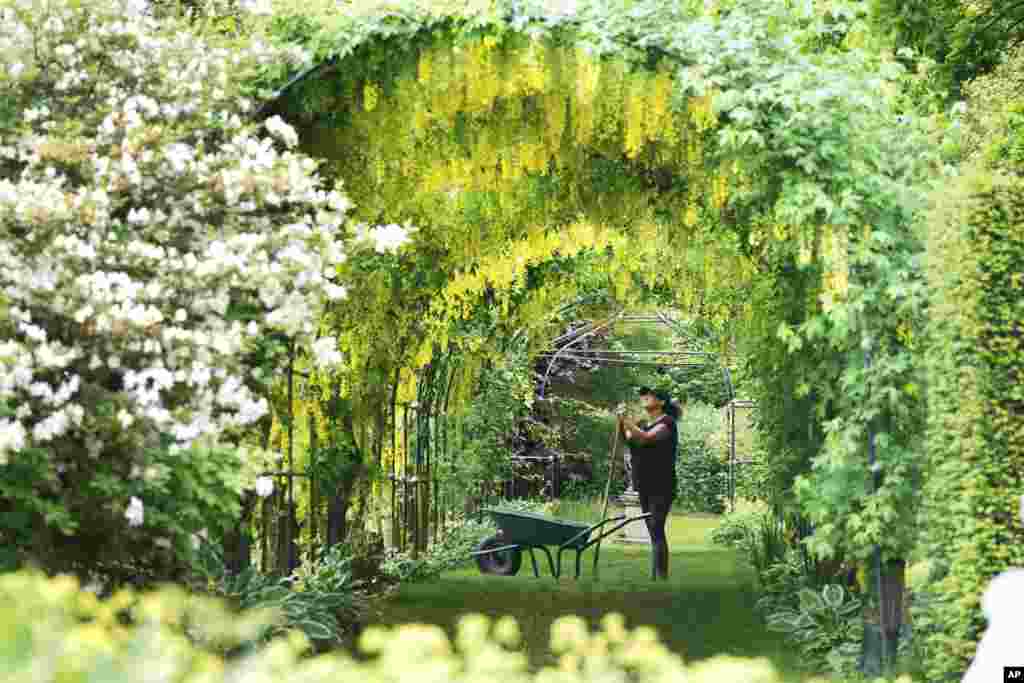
705	609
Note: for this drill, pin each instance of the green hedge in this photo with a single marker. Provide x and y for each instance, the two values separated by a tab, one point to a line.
702	470
976	401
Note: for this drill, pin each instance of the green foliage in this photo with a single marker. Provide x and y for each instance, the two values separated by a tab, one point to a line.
56	523
968	39
703	384
461	536
975	435
503	398
753	479
770	553
734	528
825	626
701	470
814	126
318	600
452	550
50	625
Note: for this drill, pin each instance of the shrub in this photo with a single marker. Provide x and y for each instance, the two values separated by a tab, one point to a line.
735	528
318	599
451	551
702	474
975	434
461	535
156	245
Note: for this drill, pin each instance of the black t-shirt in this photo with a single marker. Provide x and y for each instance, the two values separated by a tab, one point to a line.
654	463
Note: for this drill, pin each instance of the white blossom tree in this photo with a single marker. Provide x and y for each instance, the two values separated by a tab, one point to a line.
151	234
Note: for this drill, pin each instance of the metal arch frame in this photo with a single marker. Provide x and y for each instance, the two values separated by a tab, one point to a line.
679	359
609	355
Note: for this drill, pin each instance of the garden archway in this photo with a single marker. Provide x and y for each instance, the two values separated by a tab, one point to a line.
520	144
564	348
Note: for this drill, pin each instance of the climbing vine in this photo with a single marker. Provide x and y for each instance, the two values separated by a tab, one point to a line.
731	160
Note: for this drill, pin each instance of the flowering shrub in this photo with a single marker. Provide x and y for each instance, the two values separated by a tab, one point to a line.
152	238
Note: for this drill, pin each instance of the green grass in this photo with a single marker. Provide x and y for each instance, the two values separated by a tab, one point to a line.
705	609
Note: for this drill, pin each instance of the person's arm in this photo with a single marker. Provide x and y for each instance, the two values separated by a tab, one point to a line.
657	433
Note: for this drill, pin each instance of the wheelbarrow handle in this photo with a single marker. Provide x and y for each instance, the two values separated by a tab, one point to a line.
608	533
600	524
499	549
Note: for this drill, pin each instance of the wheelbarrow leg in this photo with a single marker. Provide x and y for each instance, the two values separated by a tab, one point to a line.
533	560
551	562
579	555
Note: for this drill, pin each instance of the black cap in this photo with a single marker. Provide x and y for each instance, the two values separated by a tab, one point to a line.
659	394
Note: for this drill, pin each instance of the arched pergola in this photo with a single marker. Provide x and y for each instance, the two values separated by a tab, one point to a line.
565	347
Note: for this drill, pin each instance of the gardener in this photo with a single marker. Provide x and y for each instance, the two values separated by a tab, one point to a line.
653	447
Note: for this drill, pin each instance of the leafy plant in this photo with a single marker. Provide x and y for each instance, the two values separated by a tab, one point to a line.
700	470
780	580
452	551
826	625
50	625
318	599
767	544
735	528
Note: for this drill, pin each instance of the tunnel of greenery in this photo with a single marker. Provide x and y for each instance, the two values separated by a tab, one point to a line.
707	161
749	165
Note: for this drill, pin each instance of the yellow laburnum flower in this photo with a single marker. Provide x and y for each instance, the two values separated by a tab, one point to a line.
370	96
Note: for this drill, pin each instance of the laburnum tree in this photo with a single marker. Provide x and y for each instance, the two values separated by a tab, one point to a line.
154	235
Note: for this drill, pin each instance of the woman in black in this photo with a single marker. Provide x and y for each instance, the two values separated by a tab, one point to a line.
653	447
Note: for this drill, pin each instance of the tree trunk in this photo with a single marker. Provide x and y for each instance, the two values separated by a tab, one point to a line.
281	555
882	630
314	490
293	545
893	583
337	509
238	541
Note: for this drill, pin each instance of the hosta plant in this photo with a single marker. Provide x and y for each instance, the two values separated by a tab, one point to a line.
826	625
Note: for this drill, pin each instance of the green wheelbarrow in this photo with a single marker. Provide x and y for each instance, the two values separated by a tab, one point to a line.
517	531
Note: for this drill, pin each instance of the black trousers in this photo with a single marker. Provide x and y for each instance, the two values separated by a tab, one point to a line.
659	504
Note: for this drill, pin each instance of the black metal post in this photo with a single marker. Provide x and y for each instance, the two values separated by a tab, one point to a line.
875	485
405	474
290	534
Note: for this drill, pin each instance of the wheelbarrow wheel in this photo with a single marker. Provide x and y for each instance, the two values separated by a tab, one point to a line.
504	563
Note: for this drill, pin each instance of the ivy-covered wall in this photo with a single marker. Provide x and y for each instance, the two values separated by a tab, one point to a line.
976	402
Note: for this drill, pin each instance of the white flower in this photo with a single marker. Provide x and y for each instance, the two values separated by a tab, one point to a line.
125	418
12	438
139	216
335	292
264	487
326	351
390	237
135	513
277	127
260	7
